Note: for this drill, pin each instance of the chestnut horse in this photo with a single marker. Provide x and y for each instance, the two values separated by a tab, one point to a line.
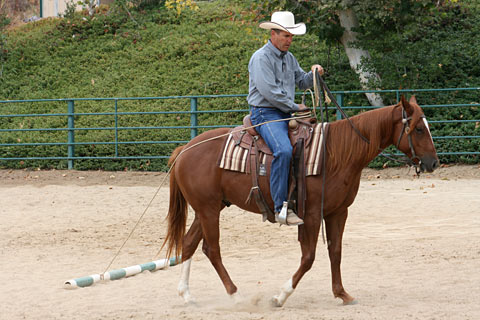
197	180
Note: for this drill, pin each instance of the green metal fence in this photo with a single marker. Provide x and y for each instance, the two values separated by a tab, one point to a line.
141	128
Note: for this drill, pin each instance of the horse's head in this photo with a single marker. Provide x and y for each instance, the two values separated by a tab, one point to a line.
412	135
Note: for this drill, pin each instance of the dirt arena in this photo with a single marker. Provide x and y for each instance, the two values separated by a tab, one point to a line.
411	251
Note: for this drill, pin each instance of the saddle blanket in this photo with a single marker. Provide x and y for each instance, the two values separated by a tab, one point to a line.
234	157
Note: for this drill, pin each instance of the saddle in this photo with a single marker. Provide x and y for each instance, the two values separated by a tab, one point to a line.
246	151
297	129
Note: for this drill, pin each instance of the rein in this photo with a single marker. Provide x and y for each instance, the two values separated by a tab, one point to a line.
405	121
323	85
316	102
319	83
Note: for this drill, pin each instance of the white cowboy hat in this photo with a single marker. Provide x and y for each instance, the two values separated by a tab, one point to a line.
284	20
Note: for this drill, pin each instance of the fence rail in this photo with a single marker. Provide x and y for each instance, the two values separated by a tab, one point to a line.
13	123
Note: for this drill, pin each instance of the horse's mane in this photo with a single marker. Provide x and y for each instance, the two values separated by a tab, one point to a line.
346	148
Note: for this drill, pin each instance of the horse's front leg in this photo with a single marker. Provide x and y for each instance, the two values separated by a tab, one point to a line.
335	224
308	244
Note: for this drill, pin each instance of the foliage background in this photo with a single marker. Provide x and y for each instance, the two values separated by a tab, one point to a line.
147	48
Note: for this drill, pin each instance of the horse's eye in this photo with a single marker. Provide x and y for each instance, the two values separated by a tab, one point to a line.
419	130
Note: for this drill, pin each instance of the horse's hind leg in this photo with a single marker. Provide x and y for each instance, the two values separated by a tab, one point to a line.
190	244
211	235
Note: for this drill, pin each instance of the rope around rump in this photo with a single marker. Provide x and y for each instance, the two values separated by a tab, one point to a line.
166	176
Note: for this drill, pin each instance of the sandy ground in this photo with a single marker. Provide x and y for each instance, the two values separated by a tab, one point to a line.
411	251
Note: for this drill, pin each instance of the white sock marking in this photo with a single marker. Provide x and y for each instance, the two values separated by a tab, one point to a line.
183	285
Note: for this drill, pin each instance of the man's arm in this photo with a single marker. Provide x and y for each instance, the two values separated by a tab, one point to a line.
319	69
262	72
305	80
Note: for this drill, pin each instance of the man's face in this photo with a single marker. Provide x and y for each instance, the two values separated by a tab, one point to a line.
281	40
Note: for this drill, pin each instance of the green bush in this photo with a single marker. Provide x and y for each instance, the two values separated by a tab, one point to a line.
149	51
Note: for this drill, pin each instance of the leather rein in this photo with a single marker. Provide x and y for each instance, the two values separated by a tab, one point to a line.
405	121
319	82
325	88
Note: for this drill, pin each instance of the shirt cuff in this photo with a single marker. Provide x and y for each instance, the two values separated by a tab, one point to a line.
310	74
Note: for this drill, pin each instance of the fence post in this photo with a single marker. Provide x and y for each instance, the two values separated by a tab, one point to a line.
193	117
116	127
71	133
340	103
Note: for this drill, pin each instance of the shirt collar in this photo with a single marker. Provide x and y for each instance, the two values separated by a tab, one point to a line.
275	50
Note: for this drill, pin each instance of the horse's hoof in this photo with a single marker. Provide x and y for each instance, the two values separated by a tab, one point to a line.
190	301
236	298
187	298
275	302
350	303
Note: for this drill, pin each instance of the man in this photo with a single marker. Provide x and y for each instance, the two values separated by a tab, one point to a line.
274	72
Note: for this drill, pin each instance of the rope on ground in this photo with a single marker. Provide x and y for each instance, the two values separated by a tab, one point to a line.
136	224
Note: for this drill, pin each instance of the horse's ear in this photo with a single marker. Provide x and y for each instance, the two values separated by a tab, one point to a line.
413	100
406	105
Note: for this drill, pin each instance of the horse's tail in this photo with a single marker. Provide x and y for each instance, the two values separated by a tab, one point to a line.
177	211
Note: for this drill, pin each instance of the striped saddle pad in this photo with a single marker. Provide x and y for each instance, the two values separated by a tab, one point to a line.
238	149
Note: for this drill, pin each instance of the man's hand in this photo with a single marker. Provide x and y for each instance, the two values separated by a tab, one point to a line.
319	69
302	107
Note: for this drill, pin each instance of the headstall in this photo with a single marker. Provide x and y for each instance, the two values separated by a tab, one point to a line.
406	129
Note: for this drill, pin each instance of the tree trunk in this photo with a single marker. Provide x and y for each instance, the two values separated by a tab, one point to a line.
91	6
348	20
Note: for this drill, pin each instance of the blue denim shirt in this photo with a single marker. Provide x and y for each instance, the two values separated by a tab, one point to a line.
273	76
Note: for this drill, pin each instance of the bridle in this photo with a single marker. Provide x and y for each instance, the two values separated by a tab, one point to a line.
406	130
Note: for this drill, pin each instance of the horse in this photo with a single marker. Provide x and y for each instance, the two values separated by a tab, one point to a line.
196	179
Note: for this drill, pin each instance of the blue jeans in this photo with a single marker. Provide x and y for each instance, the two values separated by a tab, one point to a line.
275	135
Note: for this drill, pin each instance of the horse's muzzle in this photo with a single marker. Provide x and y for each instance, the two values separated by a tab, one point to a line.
429	163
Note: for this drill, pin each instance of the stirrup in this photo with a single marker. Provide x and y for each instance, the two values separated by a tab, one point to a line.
281	217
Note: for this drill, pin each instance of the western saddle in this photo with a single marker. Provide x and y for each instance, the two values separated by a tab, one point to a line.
300	134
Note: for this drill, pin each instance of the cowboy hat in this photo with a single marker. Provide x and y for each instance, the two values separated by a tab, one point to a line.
284	20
